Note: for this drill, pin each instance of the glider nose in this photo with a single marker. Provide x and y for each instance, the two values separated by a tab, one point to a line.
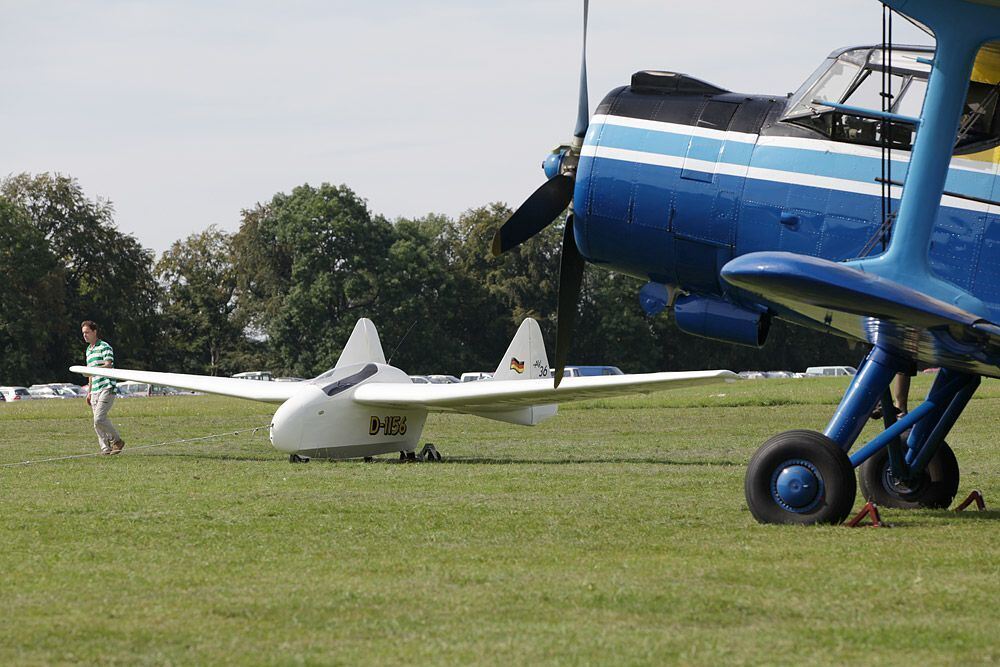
289	423
286	430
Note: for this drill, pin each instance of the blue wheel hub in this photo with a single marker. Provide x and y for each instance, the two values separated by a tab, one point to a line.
797	486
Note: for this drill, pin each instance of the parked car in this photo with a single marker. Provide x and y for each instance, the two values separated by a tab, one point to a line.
419	379
289	379
133	389
43	392
472	376
69	390
588	371
15	393
831	370
255	375
53	390
443	379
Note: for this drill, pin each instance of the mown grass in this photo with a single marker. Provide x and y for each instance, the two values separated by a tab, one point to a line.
616	533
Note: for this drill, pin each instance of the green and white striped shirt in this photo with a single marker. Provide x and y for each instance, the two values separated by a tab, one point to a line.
97	354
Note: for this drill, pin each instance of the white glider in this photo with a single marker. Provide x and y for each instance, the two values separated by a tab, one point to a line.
365	407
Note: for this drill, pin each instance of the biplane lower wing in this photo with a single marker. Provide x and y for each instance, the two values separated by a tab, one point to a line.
862	305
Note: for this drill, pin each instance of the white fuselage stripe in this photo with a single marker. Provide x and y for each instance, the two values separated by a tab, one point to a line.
800	143
774	175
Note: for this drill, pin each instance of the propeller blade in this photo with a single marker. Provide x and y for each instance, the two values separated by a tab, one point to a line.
583	107
536	213
570	279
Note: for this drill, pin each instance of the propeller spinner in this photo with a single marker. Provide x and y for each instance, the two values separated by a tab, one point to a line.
545	205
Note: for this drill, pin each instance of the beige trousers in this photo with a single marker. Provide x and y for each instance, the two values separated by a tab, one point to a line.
101	403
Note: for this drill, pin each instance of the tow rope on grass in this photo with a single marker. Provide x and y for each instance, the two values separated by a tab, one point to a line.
252	431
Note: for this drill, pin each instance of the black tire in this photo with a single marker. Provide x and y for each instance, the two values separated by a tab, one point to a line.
807	450
935	487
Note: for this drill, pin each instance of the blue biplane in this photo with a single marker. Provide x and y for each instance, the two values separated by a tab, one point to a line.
864	205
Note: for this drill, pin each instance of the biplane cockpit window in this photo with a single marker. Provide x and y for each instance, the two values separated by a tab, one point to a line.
979	128
854	77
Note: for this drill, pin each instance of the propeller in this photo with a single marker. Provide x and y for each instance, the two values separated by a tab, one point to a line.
545	205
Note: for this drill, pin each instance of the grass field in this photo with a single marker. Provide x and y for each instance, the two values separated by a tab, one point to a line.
616	533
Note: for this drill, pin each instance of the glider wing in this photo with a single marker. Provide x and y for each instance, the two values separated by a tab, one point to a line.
501	395
254	390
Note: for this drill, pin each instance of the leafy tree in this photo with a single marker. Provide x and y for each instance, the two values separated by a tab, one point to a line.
32	300
198	281
502	291
309	264
107	274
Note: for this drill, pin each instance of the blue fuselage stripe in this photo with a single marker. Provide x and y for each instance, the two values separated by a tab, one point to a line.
813	162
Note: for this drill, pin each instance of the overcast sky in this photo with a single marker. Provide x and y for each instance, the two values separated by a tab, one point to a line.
183	113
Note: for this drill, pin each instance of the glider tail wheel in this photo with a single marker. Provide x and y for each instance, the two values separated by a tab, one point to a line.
800	477
933	488
545	205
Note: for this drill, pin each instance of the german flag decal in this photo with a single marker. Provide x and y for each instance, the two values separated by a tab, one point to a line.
516	366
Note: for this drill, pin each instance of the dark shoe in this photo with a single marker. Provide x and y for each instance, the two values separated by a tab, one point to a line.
877	412
117	446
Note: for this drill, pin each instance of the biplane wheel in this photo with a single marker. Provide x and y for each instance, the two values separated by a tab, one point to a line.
800	477
934	488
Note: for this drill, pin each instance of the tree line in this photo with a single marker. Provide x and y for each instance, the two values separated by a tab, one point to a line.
284	292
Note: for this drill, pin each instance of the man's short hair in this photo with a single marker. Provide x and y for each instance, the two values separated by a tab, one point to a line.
90	324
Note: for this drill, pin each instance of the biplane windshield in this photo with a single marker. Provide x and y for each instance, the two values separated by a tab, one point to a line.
854	77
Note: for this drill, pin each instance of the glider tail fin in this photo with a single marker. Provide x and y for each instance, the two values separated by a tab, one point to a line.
363	346
525	358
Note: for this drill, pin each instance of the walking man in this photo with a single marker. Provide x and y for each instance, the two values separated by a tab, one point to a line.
101	391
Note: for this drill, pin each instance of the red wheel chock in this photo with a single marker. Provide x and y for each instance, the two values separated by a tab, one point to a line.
974	497
870	510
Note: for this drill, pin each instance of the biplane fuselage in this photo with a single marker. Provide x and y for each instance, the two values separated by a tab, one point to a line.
863	205
677	177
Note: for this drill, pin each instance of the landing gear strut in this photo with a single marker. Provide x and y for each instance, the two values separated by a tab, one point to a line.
807	477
